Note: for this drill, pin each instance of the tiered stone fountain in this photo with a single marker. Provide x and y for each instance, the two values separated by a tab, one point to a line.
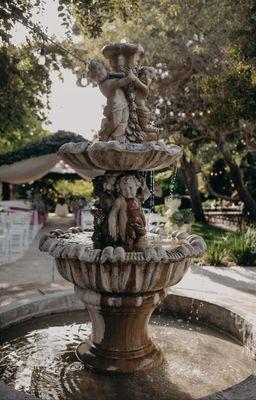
119	274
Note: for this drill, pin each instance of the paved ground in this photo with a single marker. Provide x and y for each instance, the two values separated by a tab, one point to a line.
234	287
35	274
35	271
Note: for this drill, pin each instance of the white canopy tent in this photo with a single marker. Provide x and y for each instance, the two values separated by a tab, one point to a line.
28	170
35	168
37	159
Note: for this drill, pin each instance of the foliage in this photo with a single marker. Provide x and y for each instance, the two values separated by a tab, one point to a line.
79	188
242	247
245	35
205	84
228	248
169	183
188	216
41	189
211	234
92	15
10	10
182	217
23	82
215	254
76	201
37	200
76	192
160	209
24	86
47	145
232	96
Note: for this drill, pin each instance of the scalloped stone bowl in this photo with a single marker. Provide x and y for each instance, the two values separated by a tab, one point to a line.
116	156
121	290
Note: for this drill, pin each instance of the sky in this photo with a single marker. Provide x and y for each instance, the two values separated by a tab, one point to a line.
73	108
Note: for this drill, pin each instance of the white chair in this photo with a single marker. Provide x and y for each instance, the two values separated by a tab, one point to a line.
4	244
19	233
17	247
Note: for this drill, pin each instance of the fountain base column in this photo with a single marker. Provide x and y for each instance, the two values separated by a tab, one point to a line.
120	342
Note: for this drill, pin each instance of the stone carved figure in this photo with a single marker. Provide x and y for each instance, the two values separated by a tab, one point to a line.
116	112
105	190
146	76
126	57
118	216
126	115
126	221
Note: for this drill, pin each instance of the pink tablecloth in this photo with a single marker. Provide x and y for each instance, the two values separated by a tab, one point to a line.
77	212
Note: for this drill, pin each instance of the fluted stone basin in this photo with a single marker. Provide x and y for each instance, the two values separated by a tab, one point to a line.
116	156
121	290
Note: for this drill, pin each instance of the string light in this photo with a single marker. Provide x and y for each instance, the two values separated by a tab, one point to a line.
84	81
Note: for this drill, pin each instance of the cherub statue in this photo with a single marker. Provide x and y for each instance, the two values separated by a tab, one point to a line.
116	112
104	189
126	221
146	76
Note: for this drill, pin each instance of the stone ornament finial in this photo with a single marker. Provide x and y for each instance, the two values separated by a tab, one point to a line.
123	55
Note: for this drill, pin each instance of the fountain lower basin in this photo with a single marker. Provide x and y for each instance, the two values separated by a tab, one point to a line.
38	357
120	290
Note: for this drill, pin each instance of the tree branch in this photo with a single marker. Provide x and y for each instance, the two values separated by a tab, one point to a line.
210	189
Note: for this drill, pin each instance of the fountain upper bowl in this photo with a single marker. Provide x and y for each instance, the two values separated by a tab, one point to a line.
115	156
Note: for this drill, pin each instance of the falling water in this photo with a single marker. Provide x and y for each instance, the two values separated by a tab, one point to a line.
173	181
152	190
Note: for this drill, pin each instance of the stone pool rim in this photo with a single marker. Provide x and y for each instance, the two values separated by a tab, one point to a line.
214	314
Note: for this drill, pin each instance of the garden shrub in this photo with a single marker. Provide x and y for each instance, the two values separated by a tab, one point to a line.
242	247
184	216
228	248
216	254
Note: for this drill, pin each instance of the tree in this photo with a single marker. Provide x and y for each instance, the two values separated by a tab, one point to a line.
203	53
232	121
24	82
191	30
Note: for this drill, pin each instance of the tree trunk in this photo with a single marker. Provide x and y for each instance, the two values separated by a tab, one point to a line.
237	179
188	169
6	193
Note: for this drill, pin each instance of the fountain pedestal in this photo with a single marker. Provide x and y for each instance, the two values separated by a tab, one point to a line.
120	341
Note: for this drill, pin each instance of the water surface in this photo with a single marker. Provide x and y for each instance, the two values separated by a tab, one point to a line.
37	357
